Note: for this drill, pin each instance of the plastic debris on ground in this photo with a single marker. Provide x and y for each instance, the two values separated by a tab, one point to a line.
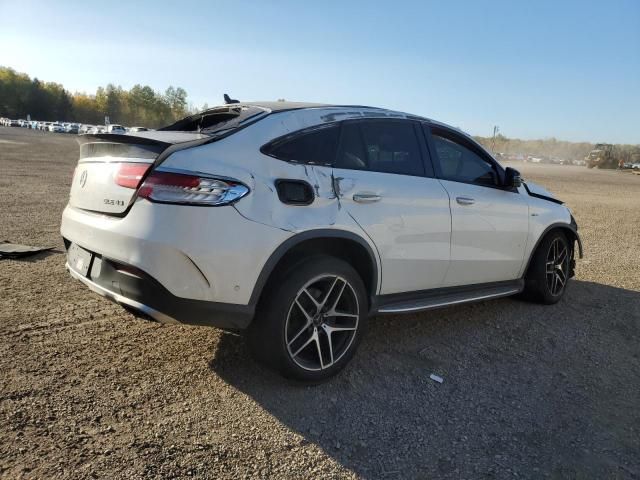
14	250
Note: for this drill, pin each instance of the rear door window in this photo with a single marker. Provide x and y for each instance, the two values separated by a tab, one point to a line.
389	146
351	153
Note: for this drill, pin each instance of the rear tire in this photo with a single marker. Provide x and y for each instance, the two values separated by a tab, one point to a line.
311	319
548	274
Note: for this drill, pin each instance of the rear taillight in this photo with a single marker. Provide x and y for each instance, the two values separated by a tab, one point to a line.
170	187
129	175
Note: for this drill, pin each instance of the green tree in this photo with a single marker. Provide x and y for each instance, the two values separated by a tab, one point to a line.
141	105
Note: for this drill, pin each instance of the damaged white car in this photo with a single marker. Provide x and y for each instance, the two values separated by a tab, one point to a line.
298	222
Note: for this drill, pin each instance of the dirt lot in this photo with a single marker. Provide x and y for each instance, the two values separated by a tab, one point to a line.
88	391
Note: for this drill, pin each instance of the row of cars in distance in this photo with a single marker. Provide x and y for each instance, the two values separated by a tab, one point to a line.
70	127
554	160
518	157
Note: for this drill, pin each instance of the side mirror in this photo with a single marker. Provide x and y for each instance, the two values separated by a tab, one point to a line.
512	178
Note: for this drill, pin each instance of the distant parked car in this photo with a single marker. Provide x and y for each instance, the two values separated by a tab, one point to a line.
96	129
56	128
84	129
579	162
115	128
72	128
14	123
138	129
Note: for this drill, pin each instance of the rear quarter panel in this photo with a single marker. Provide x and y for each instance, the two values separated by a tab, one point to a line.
238	156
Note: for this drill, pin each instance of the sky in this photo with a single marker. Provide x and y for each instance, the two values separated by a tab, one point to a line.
565	69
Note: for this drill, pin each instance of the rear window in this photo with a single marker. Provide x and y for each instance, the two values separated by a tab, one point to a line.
315	147
218	120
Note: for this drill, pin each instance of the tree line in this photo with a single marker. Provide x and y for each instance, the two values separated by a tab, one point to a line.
21	95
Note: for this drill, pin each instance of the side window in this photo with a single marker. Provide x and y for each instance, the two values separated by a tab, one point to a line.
317	146
380	146
461	164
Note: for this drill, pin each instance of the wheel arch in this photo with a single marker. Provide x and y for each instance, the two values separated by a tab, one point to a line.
569	229
339	243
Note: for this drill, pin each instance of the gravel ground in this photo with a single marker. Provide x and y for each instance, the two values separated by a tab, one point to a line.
89	391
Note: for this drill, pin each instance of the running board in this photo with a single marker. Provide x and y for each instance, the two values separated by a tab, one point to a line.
443	297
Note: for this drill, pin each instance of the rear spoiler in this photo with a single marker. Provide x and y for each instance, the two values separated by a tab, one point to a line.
151	144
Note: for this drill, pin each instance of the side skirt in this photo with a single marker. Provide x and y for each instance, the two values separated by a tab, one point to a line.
442	297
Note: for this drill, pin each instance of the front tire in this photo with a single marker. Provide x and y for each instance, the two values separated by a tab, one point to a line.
546	280
311	319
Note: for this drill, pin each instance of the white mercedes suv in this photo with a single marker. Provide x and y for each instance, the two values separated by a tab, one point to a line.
297	222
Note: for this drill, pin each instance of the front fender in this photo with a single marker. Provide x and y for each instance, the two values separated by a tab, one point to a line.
571	229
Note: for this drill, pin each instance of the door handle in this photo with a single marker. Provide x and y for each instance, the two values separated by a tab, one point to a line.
366	197
465	200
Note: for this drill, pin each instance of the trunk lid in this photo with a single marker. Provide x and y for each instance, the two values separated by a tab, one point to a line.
105	177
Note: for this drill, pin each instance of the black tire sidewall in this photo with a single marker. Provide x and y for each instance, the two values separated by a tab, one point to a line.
536	280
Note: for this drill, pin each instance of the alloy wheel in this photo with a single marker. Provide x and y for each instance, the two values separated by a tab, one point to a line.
557	266
322	322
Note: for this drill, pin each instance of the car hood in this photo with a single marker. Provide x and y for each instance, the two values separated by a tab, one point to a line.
537	191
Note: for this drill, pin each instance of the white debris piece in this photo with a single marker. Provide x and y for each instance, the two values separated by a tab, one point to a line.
436	378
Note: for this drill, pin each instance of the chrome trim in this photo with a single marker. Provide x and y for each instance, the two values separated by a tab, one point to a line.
112	159
197	173
116	297
418	308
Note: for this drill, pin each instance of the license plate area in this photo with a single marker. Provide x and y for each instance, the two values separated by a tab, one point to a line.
79	259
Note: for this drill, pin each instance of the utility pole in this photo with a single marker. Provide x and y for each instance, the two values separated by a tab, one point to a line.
496	130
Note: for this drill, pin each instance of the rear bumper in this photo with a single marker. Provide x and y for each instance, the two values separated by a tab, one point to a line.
134	288
195	253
